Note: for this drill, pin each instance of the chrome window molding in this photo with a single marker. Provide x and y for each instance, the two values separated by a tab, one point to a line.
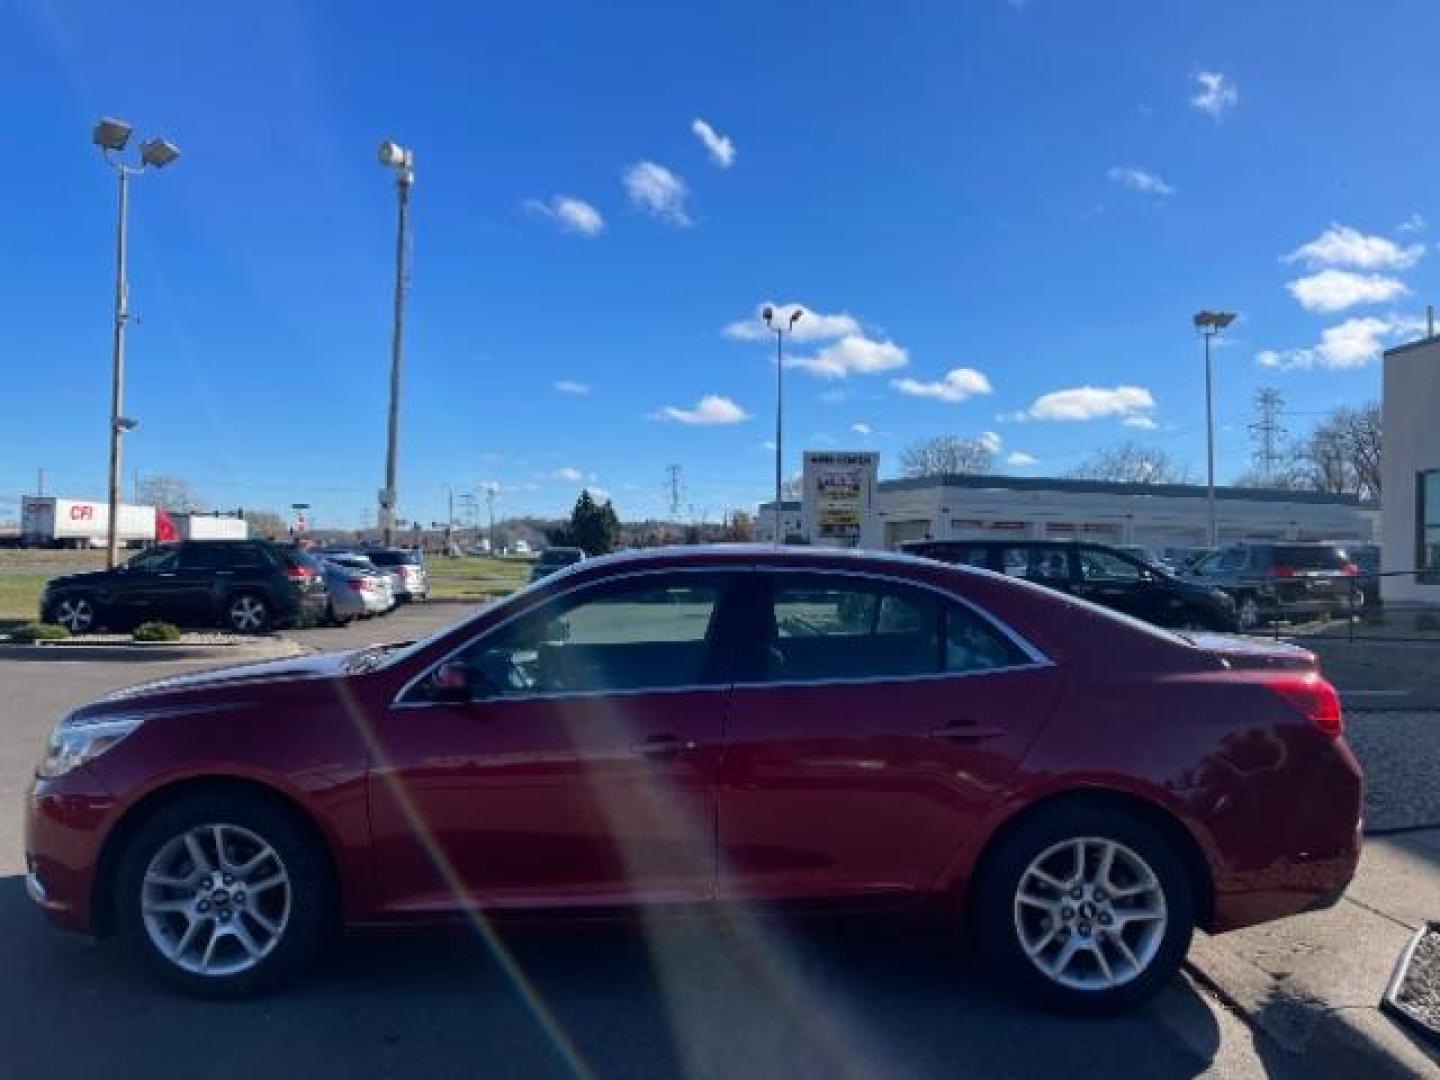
1037	659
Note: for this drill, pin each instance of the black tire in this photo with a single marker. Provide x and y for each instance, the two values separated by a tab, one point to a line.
66	610
996	926
311	915
259	618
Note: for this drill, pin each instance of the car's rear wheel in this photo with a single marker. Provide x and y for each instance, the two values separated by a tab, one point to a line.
1085	909
75	613
223	895
1247	612
248	613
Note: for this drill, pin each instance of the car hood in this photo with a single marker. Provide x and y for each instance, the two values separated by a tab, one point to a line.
88	578
1248	652
314	666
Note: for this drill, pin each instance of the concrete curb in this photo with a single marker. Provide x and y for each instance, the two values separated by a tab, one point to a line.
144	652
1329	1041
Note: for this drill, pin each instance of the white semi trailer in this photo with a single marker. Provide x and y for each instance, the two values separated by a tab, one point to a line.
46	521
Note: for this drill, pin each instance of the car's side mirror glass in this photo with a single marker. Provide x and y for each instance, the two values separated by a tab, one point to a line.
451	681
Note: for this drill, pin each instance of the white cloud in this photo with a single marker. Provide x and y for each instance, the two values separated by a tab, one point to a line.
1139	180
720	147
1341	245
990	440
959	384
852	355
1142	423
862	429
570	386
569	474
1214	94
1335	290
569	213
1413	224
657	191
1079	403
1021	460
1350	344
812	326
709	410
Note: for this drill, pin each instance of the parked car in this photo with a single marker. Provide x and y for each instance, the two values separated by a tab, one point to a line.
553	559
1107	576
1281	580
746	724
354	593
379	597
1367	561
248	586
407	572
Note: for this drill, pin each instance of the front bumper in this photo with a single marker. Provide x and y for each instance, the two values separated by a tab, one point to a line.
65	825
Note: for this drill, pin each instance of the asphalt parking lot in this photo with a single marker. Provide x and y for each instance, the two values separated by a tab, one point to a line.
728	995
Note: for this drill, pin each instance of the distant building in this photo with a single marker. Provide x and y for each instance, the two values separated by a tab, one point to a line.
1152	516
1410	472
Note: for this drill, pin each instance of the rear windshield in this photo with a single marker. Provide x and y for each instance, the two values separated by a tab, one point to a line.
1305	557
394	558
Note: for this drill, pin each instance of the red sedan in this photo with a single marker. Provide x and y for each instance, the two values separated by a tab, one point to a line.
742	724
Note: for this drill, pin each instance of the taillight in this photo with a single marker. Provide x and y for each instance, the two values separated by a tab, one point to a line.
1349	569
299	573
1282	571
1314	697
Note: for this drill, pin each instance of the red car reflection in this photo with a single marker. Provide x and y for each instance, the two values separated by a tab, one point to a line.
729	723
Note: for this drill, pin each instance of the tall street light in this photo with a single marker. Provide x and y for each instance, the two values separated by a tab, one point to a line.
1210	323
780	327
112	136
395	156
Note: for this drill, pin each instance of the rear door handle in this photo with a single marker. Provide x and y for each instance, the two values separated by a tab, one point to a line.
662	747
967	733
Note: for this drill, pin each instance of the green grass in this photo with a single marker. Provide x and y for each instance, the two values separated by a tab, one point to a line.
474	577
20	597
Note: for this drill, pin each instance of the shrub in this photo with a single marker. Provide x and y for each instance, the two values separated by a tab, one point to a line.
39	631
156	631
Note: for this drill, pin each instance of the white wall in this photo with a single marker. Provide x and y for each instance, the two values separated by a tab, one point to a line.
1411	407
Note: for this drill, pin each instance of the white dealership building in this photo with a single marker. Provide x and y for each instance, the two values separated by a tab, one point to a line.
1410	473
1152	516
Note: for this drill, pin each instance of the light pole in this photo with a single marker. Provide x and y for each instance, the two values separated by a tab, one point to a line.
394	156
1210	323
112	136
780	327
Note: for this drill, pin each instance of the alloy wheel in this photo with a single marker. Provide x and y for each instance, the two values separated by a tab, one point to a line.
1249	613
247	614
216	900
75	614
1090	914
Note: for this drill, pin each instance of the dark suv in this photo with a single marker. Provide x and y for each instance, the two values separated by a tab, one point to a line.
1104	575
244	585
1274	580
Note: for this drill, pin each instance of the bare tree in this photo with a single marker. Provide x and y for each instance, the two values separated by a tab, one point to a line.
169	493
1342	454
946	455
266	523
1130	462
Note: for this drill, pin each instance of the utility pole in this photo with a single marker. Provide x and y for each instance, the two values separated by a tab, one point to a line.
1210	323
41	478
403	162
490	503
1267	432
780	328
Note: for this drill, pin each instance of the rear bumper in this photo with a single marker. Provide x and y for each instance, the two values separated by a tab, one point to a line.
66	821
1289	846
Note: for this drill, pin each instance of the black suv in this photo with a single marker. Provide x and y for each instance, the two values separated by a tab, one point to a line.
1094	572
244	585
1274	580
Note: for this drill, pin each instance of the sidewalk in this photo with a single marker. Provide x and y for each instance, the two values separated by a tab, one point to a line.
1314	983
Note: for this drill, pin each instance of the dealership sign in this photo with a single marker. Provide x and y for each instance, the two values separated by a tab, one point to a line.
839	494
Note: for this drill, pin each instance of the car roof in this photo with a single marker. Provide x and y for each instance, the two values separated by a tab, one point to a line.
701	555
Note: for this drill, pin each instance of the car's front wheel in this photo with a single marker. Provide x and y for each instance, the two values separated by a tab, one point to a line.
223	894
1085	908
75	613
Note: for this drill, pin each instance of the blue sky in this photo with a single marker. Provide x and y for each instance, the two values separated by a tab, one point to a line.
982	204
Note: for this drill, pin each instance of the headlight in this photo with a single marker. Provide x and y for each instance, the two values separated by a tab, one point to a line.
74	742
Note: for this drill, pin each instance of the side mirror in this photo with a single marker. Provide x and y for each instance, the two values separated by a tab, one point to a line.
451	682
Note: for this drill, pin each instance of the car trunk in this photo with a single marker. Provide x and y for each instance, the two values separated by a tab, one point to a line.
1250	653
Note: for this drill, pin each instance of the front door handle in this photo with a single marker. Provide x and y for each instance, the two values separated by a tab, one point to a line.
662	747
967	733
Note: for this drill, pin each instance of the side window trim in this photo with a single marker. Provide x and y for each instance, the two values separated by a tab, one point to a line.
720	626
